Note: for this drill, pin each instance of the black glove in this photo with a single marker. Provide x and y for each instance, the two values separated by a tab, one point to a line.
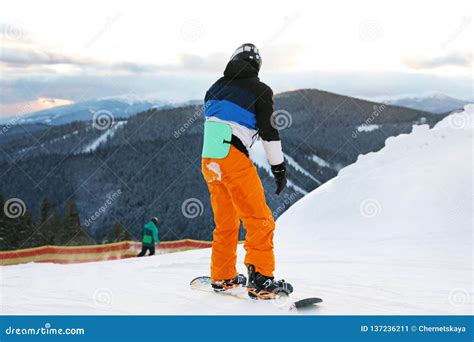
279	172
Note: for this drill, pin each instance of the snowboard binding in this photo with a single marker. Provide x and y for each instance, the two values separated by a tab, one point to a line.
228	284
263	287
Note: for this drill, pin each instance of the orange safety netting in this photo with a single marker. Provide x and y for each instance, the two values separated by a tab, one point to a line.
78	254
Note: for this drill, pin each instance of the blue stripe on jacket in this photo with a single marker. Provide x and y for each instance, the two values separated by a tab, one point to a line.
229	111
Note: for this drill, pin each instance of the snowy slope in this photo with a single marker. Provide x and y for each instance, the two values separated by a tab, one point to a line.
433	102
107	135
394	230
257	154
391	234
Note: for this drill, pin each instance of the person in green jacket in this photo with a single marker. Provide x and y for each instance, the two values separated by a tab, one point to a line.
149	237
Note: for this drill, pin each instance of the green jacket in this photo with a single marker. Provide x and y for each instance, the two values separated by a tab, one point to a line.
150	234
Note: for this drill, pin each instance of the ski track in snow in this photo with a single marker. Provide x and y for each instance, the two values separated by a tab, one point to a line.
290	184
390	235
367	128
108	134
257	154
320	161
300	169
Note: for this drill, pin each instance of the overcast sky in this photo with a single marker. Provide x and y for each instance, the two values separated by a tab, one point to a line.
58	52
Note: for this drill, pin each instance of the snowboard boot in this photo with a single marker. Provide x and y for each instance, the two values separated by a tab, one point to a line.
224	285
262	287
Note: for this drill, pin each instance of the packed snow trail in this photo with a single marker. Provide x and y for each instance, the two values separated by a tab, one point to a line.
391	234
257	154
107	135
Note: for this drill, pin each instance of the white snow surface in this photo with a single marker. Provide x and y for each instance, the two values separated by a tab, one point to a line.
367	128
108	134
257	154
299	168
320	161
391	234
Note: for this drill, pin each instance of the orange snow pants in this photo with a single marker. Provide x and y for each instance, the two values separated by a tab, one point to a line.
237	194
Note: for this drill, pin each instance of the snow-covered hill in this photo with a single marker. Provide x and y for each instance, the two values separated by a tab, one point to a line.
391	234
432	102
394	231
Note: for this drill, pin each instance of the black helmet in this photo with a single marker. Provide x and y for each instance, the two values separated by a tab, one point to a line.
248	52
154	219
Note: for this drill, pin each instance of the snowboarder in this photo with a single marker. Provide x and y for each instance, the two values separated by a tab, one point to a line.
149	237
238	109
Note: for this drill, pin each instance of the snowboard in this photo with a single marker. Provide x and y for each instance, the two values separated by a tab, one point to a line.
203	283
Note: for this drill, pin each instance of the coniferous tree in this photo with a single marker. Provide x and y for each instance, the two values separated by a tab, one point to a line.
30	228
47	230
37	236
15	231
126	235
53	229
117	232
72	232
5	231
44	210
22	230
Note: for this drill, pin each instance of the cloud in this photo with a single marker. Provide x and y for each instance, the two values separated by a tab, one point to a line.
33	58
81	87
281	57
186	62
26	57
275	57
457	59
17	57
23	60
25	107
134	68
215	62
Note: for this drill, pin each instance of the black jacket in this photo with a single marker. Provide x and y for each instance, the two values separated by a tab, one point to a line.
240	96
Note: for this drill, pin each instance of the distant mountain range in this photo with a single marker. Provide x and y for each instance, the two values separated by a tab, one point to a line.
153	159
127	105
434	103
119	107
